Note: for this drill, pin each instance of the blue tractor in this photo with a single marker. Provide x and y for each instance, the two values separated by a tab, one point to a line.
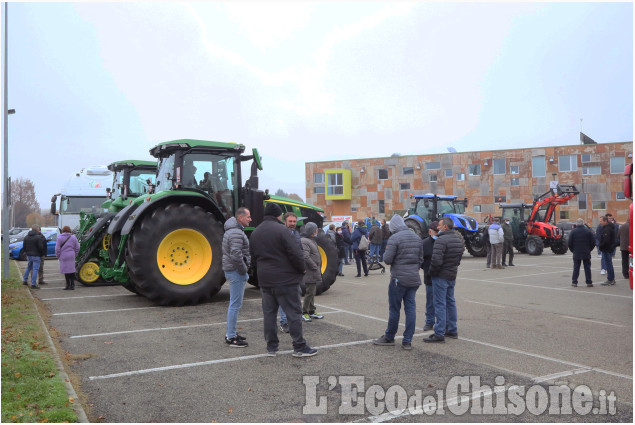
431	207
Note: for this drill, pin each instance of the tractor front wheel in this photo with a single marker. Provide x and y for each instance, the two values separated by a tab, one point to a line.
417	228
88	273
175	255
559	246
330	262
534	245
475	245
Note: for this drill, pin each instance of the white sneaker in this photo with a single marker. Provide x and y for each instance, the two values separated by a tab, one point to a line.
603	271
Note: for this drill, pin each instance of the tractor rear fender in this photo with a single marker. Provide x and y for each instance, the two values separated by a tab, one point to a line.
99	224
416	217
120	219
179	198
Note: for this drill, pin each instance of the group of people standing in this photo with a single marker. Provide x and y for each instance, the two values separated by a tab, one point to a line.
439	256
284	259
608	236
499	242
349	244
35	246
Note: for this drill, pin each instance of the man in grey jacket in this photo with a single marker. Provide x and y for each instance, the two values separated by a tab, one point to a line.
446	257
236	262
404	254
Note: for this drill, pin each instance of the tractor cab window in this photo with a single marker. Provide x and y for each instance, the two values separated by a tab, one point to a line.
165	175
445	207
139	179
214	174
459	207
425	209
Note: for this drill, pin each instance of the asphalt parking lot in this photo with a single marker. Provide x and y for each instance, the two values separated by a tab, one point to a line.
522	327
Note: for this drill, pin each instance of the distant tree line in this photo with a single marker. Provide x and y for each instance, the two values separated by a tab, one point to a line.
25	209
293	196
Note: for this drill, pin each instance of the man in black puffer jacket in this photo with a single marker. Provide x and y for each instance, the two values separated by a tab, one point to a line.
280	265
581	243
404	253
446	257
35	249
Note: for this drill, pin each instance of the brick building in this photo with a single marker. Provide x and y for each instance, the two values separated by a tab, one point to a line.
380	187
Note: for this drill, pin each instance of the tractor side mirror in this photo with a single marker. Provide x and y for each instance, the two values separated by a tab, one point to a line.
53	201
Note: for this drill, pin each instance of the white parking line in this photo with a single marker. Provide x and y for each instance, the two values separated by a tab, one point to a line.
553	376
104	311
573	291
491	305
593	321
170	328
88	296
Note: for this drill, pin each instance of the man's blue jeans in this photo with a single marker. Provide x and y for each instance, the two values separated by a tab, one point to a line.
32	266
374	251
382	249
444	306
429	306
607	260
397	293
237	284
283	316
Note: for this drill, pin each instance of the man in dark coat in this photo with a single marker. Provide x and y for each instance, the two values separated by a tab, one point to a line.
280	267
581	243
346	233
385	231
623	234
608	240
404	253
34	245
428	246
446	257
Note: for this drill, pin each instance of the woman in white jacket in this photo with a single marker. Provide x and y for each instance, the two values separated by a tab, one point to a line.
496	238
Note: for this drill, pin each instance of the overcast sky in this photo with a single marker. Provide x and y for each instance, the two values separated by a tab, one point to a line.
93	83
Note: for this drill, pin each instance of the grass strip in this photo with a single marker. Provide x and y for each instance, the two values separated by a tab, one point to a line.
32	391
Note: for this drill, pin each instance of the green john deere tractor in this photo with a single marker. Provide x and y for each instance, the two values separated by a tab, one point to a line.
167	246
131	178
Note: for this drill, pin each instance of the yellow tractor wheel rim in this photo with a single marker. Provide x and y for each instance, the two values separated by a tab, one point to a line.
184	256
105	242
89	272
323	258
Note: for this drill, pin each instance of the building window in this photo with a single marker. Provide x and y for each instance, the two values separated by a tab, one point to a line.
335	184
448	172
382	206
460	176
383	174
585	157
582	201
618	163
353	209
318	178
500	166
434	178
404	186
318	190
475	169
564	215
538	167
515	181
433	165
477	208
514	169
500	198
598	205
592	170
568	163
408	170
619	196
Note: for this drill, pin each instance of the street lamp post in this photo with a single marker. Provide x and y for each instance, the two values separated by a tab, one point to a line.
5	153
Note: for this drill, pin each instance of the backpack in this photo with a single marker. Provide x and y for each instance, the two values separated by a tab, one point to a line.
363	243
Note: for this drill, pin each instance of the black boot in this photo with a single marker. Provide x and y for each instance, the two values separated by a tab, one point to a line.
72	288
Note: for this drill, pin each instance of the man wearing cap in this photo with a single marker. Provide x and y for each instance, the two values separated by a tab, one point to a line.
313	275
280	267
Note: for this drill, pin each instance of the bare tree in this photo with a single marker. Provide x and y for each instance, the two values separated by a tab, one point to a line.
23	201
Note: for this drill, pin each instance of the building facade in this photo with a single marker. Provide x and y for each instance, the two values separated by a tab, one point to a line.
381	187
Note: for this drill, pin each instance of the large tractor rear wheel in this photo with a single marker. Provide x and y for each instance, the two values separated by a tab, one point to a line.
175	255
559	246
420	229
534	245
475	246
330	266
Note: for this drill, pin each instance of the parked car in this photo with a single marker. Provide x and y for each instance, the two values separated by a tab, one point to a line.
18	237
16	249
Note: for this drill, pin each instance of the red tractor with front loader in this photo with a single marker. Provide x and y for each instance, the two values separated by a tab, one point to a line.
532	223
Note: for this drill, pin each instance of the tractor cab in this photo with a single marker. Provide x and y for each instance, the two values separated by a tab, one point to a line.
132	178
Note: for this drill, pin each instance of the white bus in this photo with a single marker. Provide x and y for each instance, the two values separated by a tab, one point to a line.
83	191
